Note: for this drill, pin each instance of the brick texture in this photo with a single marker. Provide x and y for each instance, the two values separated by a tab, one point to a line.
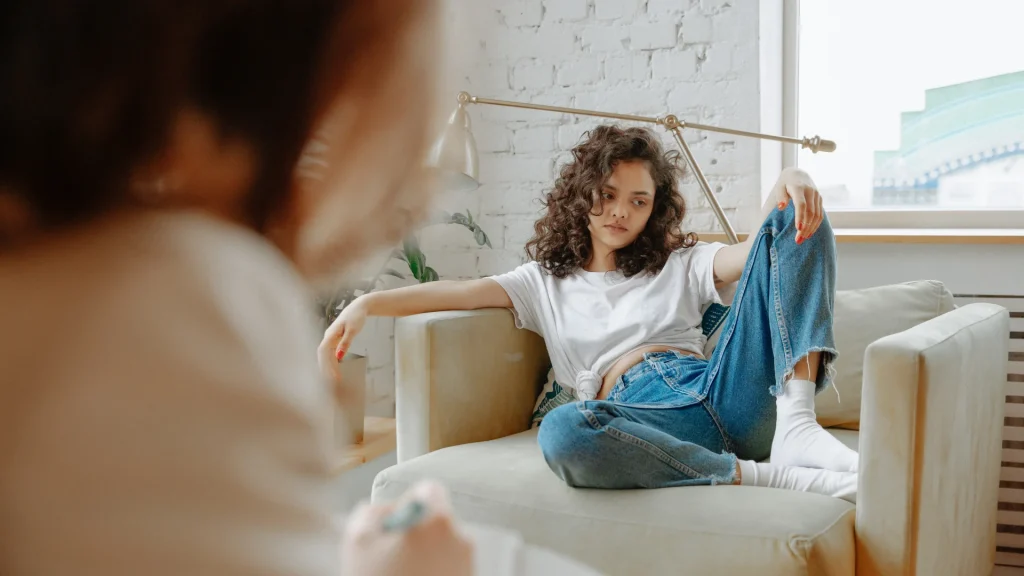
696	59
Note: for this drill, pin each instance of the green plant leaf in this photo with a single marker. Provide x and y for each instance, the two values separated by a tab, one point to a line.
421	265
481	237
430	275
414	257
460	219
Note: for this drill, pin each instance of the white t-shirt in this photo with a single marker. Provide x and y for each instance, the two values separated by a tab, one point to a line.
591	319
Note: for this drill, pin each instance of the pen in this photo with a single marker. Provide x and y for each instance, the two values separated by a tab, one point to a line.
405	517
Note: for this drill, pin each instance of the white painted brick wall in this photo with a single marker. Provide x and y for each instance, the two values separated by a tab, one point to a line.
520	12
616	9
694	58
651	35
674	65
580	71
534	139
532	74
565	10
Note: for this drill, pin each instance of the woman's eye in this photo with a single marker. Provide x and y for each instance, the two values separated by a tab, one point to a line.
606	196
640	202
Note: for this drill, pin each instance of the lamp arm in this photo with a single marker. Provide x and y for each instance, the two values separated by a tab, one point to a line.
675	126
723	220
561	109
814	143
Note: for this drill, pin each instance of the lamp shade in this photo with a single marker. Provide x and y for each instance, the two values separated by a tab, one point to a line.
454	154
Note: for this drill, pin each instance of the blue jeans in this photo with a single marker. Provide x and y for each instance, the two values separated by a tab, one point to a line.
676	420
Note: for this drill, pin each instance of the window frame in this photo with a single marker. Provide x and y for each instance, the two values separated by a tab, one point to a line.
786	13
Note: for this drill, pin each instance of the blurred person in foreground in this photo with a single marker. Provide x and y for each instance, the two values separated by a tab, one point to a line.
161	410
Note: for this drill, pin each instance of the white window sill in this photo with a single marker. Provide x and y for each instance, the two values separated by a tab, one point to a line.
935	219
910	236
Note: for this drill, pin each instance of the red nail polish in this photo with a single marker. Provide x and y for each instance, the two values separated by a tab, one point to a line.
782	206
799	226
799	240
341	354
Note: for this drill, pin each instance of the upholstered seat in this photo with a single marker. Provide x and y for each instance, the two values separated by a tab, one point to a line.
506	482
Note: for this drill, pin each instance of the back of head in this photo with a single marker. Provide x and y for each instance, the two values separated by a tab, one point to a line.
91	91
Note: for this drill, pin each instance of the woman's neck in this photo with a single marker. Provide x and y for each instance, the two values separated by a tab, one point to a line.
601	260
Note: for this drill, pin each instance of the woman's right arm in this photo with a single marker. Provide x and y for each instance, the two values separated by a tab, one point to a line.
417	299
434	297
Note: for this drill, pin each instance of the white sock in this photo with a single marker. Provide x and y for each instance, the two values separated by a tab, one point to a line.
826	482
800	440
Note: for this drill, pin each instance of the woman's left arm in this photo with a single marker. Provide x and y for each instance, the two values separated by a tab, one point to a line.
793	185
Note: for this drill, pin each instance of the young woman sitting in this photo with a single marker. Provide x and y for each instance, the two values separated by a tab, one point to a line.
617	292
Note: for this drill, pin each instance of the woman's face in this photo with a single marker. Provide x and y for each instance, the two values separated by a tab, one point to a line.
623	206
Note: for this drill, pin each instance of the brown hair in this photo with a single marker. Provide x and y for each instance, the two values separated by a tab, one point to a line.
561	243
90	89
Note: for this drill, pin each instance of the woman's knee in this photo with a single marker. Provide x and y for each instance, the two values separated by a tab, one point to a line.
559	431
565	441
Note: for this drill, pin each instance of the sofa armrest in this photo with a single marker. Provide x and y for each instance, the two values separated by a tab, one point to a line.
930	445
463	377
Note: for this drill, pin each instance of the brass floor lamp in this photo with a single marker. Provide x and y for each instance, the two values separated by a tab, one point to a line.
455	151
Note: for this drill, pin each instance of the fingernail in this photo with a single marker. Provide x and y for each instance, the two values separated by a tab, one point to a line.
799	239
799	226
782	206
341	354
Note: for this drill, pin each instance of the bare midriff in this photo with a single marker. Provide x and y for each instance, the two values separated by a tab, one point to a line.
627	361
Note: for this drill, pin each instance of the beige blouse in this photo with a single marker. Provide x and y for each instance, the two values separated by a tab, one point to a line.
160	407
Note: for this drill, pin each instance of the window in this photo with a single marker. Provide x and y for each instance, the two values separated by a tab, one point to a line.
925	99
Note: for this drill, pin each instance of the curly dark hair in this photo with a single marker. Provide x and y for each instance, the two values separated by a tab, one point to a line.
561	243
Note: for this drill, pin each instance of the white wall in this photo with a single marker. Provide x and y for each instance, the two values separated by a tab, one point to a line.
696	59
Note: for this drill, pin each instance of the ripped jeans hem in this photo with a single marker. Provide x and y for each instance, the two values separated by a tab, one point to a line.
826	374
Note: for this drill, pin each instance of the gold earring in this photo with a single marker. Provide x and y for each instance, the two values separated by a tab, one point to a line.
156	190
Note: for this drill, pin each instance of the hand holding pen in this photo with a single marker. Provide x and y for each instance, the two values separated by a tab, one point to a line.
415	535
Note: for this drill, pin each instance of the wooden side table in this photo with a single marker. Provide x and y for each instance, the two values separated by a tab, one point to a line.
378	439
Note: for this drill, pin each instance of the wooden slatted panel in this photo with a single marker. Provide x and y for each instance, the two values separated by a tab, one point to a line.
1012	474
1010	522
1004	559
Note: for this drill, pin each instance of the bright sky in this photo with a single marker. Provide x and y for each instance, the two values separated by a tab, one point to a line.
863	62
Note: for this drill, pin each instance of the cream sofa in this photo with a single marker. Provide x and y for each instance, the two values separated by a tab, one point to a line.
921	380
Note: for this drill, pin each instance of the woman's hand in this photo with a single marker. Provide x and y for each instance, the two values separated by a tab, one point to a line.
796	185
338	338
432	547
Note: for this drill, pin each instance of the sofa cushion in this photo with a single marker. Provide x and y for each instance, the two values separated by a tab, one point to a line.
861	317
692	530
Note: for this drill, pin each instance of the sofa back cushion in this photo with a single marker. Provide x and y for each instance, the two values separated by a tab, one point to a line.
861	317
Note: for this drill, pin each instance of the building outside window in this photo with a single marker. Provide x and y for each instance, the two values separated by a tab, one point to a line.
924	97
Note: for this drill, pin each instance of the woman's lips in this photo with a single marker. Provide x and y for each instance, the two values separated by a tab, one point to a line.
614	228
